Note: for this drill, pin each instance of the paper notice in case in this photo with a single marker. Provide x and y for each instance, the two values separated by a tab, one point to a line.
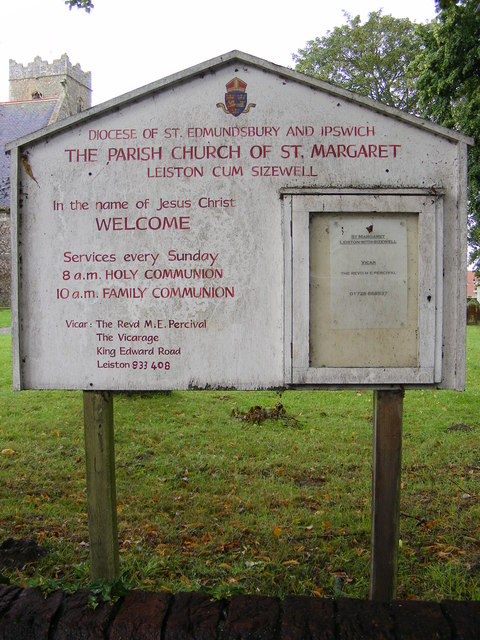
368	272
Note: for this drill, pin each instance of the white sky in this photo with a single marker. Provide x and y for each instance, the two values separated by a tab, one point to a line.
129	43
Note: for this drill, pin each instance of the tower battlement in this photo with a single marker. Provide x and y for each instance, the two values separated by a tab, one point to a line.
42	68
43	79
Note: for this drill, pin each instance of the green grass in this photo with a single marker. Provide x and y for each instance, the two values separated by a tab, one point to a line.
5	317
210	502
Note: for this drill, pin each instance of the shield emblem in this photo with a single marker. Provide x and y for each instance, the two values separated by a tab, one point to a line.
235	101
236	98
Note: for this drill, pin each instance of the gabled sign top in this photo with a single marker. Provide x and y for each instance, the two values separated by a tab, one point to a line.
235	96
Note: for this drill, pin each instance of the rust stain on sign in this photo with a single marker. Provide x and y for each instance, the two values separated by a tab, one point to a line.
28	168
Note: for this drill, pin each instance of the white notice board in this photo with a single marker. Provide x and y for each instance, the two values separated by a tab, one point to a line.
238	226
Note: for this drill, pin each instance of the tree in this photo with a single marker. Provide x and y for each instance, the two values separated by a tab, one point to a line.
377	59
430	70
449	88
80	4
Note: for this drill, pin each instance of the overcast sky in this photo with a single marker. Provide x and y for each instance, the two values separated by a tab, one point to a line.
129	43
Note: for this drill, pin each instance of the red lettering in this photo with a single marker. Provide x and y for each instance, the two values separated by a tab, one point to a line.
155	223
82	155
112	134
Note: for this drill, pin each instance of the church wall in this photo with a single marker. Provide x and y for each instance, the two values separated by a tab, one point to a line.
5	258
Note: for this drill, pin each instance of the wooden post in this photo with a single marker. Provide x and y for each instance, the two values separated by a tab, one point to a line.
101	493
387	459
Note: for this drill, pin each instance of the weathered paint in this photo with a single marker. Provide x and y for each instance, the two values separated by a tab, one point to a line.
152	233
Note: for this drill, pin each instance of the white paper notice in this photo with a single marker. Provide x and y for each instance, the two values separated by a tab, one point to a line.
368	270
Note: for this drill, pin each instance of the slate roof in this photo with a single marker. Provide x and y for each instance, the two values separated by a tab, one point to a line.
18	119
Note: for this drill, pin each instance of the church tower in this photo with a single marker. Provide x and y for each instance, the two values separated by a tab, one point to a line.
61	80
40	94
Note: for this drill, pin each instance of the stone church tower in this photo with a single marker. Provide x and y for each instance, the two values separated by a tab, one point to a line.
40	94
61	80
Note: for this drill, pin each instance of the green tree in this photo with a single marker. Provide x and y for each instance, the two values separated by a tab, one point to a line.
449	87
378	58
80	4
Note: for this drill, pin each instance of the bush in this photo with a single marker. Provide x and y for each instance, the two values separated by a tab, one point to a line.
473	311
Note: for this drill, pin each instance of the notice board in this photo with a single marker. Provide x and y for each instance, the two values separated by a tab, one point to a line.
367	298
211	231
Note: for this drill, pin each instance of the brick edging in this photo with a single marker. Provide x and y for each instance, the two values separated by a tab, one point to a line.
28	614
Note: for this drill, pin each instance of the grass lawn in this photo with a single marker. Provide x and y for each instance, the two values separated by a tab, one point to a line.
5	317
208	501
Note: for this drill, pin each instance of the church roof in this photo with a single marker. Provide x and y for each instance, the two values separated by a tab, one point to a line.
18	119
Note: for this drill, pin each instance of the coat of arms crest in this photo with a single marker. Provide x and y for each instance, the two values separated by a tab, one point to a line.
236	98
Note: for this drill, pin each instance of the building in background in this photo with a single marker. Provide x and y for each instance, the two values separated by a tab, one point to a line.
472	285
40	93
